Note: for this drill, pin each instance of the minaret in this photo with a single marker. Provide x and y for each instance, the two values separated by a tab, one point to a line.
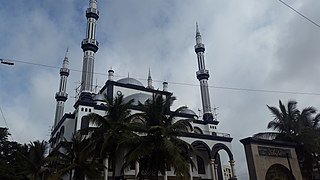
89	46
62	96
203	76
149	80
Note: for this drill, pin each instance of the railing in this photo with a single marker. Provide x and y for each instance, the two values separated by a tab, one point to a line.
92	10
221	134
90	41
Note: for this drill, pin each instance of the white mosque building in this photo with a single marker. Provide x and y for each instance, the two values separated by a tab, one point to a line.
204	136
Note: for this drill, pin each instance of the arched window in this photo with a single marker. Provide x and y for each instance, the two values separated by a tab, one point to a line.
200	164
197	130
84	123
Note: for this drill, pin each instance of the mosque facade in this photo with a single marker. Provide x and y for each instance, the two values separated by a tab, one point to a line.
203	135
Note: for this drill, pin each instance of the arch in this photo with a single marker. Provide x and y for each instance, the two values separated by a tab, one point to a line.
278	171
197	130
217	147
201	146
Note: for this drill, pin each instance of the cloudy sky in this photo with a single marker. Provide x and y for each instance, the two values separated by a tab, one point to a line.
250	44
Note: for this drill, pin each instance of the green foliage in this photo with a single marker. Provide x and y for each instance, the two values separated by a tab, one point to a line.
76	156
158	147
9	165
300	127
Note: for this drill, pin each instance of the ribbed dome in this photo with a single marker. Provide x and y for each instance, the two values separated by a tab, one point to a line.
138	97
186	110
99	97
129	80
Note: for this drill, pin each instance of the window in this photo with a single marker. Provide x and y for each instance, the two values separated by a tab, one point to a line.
84	123
200	164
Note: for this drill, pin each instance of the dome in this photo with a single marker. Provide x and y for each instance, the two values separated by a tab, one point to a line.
138	98
99	97
129	80
186	110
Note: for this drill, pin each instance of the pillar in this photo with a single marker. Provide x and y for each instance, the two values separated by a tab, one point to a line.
232	164
106	165
190	169
216	171
213	174
136	168
165	176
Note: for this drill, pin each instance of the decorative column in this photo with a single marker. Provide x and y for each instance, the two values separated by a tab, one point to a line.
213	174
216	171
136	168
232	164
106	165
165	176
190	169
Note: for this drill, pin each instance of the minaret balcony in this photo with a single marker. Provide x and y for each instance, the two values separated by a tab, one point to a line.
203	74
92	13
64	72
90	44
199	47
61	96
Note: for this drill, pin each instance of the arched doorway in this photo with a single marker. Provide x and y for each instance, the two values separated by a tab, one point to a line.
278	172
202	158
217	161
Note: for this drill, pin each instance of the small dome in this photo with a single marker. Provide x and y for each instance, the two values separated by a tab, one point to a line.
99	97
186	110
129	80
138	98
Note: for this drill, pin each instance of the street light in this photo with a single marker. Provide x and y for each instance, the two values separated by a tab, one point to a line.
7	62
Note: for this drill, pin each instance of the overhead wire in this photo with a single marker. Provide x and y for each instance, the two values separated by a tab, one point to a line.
299	13
188	84
5	122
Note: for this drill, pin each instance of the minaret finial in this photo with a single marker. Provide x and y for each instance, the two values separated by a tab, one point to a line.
197	28
198	35
65	61
66	55
149	80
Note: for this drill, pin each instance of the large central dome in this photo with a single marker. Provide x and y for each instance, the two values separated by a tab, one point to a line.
129	80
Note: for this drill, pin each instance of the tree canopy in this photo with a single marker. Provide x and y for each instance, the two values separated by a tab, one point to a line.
301	127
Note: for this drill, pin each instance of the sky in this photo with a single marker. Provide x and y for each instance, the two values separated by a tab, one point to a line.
260	45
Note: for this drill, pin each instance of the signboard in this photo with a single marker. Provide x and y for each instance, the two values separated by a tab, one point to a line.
275	152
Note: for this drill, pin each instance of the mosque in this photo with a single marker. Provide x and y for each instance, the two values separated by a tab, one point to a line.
203	136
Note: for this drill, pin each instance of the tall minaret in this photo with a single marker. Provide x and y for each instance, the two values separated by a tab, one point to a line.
203	76
89	46
62	96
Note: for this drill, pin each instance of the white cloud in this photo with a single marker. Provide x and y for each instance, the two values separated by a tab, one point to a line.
249	44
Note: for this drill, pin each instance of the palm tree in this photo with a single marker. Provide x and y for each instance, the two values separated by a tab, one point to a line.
301	128
285	120
32	160
112	129
76	159
158	146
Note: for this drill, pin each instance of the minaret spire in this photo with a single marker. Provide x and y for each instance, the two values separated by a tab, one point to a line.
149	80
203	76
62	96
89	46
